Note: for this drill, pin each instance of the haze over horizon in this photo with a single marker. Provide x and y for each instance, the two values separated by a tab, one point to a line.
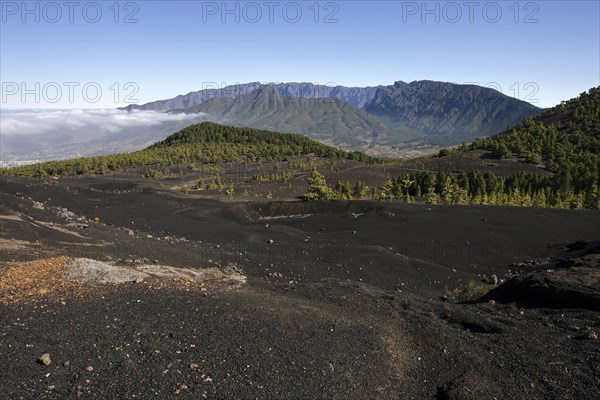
137	52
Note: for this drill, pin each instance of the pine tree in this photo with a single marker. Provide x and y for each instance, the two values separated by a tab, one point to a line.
579	200
431	197
374	193
477	198
459	195
447	192
591	197
317	187
360	190
386	192
539	199
418	192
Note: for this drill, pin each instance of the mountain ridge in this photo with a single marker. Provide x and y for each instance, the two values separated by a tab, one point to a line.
358	97
324	119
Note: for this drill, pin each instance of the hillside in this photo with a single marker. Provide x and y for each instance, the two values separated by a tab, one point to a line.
327	120
557	153
447	113
206	142
569	129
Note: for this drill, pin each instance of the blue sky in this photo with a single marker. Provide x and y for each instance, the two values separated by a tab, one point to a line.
542	52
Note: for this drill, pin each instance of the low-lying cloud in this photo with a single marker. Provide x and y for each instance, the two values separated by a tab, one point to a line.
34	122
41	135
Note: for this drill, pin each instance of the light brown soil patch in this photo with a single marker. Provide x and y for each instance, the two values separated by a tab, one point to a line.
62	278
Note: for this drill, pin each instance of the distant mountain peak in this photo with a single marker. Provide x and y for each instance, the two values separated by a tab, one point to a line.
444	108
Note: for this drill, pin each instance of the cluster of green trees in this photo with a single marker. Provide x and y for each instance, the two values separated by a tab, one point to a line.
207	142
304	166
215	184
475	187
344	190
521	189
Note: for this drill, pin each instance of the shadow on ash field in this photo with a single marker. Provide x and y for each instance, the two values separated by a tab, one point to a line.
257	299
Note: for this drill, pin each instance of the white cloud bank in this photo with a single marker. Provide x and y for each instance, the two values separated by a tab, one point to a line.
35	122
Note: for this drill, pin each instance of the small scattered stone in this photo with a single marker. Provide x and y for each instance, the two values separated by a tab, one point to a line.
592	335
329	368
194	366
66	364
44	359
492	302
494	279
89	369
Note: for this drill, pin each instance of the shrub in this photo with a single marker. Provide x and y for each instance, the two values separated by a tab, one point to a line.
472	291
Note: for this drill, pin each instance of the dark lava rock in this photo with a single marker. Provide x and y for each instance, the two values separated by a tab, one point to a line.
569	283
